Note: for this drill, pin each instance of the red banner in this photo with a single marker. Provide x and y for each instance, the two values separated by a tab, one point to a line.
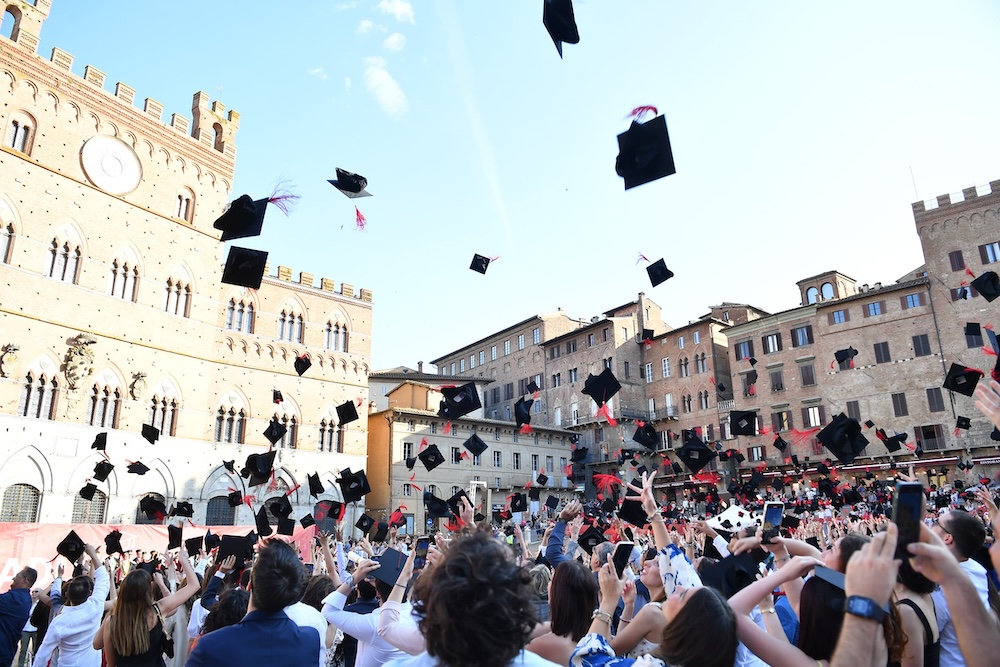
34	544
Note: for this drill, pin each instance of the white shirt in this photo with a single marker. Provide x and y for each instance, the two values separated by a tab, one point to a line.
305	616
373	651
73	630
951	655
523	659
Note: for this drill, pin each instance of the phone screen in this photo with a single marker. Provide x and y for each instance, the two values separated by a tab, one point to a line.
907	513
773	513
420	557
623	552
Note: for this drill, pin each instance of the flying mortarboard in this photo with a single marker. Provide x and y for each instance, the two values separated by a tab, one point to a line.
102	470
542	479
88	492
235	499
152	508
436	507
480	263
552	502
259	466
579	455
138	468
315	486
780	443
244	267
590	539
71	547
454	503
410	462
988	285
302	364
194	544
307	521
845	355
644	153
519	503
230	466
243	218
843	437
973	329
275	431
276	396
113	543
646	436
263	527
601	387
963	423
459	401
475	445
431	457
532	387
743	422
695	454
184	509
352	185
534	493
522	411
559	21
233	545
353	485
281	508
962	380
347	412
100	442
175	537
869	423
894	443
631	511
676	468
286	526
658	272
150	433
822	468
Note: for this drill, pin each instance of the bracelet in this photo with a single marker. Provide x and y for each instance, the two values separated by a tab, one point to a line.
624	620
403	586
601	615
768	611
781	560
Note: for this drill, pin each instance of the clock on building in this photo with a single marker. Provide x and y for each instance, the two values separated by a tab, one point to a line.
111	165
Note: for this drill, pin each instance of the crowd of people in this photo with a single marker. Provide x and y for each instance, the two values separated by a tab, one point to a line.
667	586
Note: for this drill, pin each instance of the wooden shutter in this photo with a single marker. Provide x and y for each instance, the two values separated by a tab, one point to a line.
822	415
983	256
805	417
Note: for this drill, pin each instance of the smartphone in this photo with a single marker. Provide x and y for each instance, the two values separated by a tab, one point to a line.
907	513
623	552
773	514
420	557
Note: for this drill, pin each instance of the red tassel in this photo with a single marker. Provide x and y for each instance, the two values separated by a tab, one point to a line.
525	429
600	496
249	500
282	198
568	470
640	112
955	432
359	219
397	518
605	412
752	390
764	430
535	395
912	447
647	344
415	487
293	489
988	351
447	428
606	483
640	423
850	364
423	443
969	272
465	456
642	258
831	364
273	486
358	401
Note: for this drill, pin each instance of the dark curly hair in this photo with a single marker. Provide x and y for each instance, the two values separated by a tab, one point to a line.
230	609
477	576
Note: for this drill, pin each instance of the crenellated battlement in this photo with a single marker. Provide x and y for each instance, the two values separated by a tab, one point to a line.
284	274
934	206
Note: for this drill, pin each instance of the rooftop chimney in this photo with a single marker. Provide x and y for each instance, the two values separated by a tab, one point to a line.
420	367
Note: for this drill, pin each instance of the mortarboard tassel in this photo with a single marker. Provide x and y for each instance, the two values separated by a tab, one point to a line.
640	112
293	490
423	444
249	500
606	413
283	198
415	487
642	258
447	428
988	351
273	486
525	429
752	391
465	456
359	219
606	483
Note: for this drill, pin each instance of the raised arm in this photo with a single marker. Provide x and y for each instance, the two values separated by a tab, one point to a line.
191	586
405	637
652	510
745	600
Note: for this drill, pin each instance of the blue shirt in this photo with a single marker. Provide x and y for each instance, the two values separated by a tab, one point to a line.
15	607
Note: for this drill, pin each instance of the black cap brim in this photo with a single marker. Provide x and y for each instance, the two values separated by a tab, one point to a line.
245	267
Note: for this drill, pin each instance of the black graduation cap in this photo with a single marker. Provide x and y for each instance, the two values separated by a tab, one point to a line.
869	423
988	285
893	444
459	401
286	526
183	508
233	545
644	153
641	470
579	455
150	433
152	508
590	539
646	436
113	543
391	563
558	19
352	185
454	502
731	574
431	457
963	423
410	462
822	468
275	431
795	460
243	218
175	537
230	466
276	396
601	387
71	547
102	470
532	387
695	455
658	271
726	455
844	355
235	499
519	503
534	493
302	364
552	502
475	445
244	267
676	468
259	466
843	437
743	422
353	485
315	486
542	479
721	388
194	544
307	521
281	508
780	443
991	335
778	484
740	458
436	507
632	511
973	329
647	334
962	380
88	492
480	263
100	442
263	527
522	411
347	412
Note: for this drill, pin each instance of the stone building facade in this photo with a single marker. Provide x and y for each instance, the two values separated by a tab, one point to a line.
113	314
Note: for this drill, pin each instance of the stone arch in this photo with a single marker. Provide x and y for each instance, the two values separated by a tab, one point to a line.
131	139
167	387
30	85
76	110
149	147
84	472
218	483
166	155
113	126
71	232
159	480
183	273
56	102
13	79
27	465
235	398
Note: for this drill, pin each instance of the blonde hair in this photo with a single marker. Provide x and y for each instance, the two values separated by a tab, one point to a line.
129	623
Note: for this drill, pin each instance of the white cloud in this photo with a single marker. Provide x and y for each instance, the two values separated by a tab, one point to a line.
365	27
395	42
318	73
347	84
384	88
401	9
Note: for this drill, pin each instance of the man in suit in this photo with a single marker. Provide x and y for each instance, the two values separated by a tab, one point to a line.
266	635
73	630
15	607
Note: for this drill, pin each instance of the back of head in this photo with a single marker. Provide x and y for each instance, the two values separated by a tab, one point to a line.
966	531
574	596
278	577
601	553
478	577
79	590
128	629
820	617
850	544
30	576
541	575
913	580
316	590
230	608
366	591
703	632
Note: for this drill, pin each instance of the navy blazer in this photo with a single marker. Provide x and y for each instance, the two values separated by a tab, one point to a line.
261	638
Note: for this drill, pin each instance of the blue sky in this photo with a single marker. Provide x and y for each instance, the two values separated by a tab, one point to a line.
795	128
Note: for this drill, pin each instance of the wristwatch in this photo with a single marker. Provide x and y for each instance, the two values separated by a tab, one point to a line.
864	608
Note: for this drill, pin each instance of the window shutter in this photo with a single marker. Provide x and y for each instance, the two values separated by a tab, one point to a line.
809	333
750	344
829	318
779	340
983	256
957	260
902	302
865	309
822	414
847	315
805	416
790	423
763	343
774	422
795	339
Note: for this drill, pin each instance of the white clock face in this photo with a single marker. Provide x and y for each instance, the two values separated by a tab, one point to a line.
111	165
